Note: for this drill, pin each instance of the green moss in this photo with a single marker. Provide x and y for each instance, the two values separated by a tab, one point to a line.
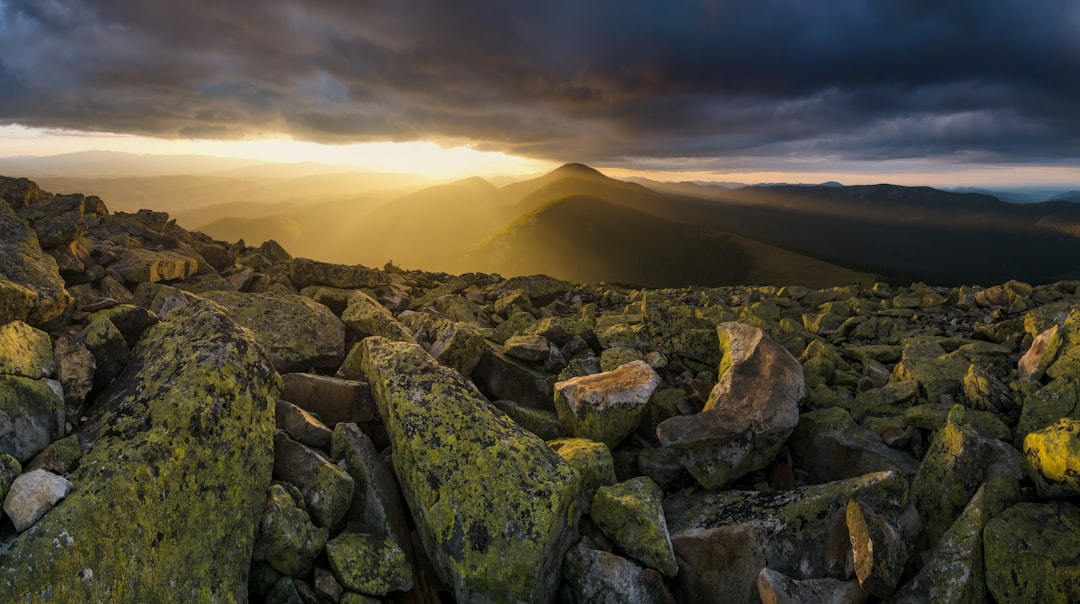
167	498
1031	552
369	564
494	505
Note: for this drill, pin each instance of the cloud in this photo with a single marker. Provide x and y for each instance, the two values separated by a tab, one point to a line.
591	81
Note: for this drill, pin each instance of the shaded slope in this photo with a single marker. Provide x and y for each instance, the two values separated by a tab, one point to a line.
586	239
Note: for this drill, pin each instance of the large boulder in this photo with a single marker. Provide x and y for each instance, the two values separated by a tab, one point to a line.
829	445
184	433
492	503
25	351
298	332
606	407
287	538
599	577
31	415
139	265
1031	551
723	539
334	400
750	412
366	317
23	263
1054	457
630	513
502	378
305	272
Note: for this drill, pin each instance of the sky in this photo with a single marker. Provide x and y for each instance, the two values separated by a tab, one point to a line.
977	92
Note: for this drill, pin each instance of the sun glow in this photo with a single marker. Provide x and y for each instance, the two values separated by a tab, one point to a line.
419	157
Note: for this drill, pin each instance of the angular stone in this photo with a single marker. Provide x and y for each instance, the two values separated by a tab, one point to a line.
749	415
778	588
985	392
1067	362
957	462
723	539
305	272
631	514
887	401
31	415
1030	551
287	539
327	489
936	377
59	457
829	445
23	263
878	550
334	400
1041	355
20	192
107	345
302	426
612	358
544	424
16	301
75	369
297	332
32	495
25	351
365	316
376	505
183	433
138	265
1054	457
501	378
599	577
1060	398
369	564
954	574
527	347
606	407
492	503
457	345
9	469
593	463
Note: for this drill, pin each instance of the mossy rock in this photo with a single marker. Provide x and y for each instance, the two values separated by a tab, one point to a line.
369	564
631	514
606	407
305	272
544	424
59	457
23	263
137	265
25	351
1031	552
365	316
9	469
1057	399
593	462
184	433
1054	457
287	539
935	376
16	301
31	415
493	503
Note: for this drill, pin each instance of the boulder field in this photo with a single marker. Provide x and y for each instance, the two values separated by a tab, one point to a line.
184	419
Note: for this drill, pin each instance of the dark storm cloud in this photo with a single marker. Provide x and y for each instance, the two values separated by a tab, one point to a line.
595	81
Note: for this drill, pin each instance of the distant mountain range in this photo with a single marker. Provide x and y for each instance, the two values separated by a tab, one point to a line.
578	224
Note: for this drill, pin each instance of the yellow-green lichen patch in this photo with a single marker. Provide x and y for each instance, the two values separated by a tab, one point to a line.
369	564
493	504
25	351
167	498
1054	455
1032	553
630	514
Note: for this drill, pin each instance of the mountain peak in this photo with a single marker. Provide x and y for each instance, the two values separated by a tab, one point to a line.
578	169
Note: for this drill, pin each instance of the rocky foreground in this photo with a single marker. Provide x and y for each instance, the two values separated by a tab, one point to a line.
183	419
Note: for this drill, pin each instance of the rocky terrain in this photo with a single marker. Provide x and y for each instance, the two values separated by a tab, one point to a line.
183	419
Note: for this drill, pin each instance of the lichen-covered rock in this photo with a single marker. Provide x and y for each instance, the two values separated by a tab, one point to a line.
302	426
365	316
1054	457
723	539
606	407
492	503
886	401
631	514
878	550
9	469
1030	551
287	539
31	495
327	489
750	412
25	351
24	263
612	358
778	588
985	392
1059	398
184	433
59	457
599	577
297	332
107	345
954	574
454	344
369	564
957	462
936	376
139	265
31	415
1067	362
829	445
593	462
16	301
305	272
334	400
527	347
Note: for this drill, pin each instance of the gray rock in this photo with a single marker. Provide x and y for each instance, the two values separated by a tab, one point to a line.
31	415
369	564
527	347
287	539
141	266
23	263
327	489
878	549
829	445
749	415
25	351
334	400
32	495
599	577
302	426
630	513
501	377
366	317
777	588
